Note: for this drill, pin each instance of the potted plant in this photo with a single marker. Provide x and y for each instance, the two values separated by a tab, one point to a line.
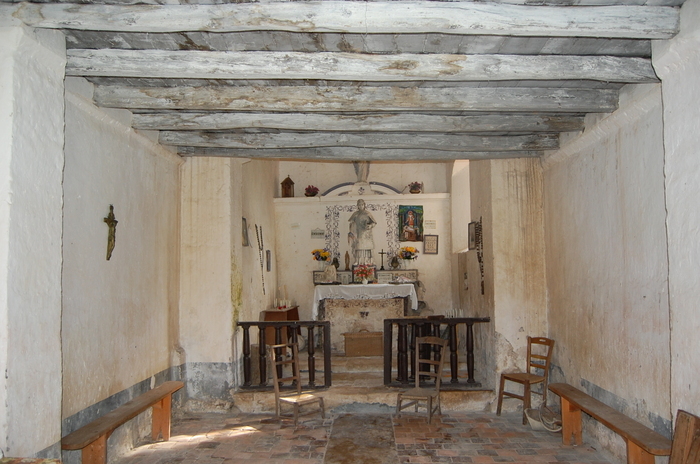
311	191
415	187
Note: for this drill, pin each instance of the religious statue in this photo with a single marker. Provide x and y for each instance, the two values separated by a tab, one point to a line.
360	236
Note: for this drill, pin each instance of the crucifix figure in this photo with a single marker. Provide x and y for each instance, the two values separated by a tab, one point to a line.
111	222
382	253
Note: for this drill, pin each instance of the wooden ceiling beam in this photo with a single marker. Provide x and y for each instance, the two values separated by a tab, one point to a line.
471	18
195	64
355	154
389	140
361	98
367	122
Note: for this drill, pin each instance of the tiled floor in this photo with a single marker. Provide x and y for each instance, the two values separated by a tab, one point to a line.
456	437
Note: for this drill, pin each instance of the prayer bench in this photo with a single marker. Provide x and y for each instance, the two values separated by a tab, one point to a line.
92	437
642	442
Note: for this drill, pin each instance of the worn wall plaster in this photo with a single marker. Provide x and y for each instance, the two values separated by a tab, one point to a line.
127	304
31	140
677	63
607	262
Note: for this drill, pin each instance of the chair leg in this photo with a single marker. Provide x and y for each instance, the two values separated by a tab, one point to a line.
500	396
526	401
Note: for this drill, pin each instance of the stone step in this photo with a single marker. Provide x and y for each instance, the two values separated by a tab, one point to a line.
354	390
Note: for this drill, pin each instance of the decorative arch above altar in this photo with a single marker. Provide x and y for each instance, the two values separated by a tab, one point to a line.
375	188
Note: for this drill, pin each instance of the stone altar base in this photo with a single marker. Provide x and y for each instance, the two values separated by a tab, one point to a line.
350	316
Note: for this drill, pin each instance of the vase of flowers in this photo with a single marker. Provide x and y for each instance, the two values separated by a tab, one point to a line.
322	256
408	254
363	272
311	191
415	187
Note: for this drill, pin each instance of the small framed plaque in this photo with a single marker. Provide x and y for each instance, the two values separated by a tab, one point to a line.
430	244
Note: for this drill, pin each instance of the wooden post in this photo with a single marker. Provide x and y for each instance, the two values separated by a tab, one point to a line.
246	356
571	423
95	452
454	360
311	352
161	418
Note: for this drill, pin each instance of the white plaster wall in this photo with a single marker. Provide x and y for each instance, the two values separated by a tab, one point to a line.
31	163
506	195
259	189
119	316
677	62
519	267
221	279
435	176
206	308
607	261
461	210
296	218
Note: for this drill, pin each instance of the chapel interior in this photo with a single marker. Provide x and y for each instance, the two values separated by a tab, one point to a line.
171	171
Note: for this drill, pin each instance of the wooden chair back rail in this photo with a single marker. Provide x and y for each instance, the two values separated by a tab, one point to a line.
642	442
92	437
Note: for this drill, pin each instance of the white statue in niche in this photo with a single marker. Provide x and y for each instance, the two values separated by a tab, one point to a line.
360	237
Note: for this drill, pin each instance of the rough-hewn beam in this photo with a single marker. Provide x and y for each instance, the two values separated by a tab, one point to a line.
356	17
354	154
356	98
384	122
446	142
194	64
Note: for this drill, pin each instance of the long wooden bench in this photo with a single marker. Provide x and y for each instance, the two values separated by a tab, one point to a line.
92	437
642	442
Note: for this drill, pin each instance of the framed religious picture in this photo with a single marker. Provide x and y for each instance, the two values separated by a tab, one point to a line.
361	272
430	244
472	235
246	241
410	223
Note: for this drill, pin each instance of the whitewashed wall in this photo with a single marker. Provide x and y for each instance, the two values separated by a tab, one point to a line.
506	196
221	279
434	176
119	326
297	217
31	163
607	261
677	62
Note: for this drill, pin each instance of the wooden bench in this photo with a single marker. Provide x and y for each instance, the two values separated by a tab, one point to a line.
92	437
642	442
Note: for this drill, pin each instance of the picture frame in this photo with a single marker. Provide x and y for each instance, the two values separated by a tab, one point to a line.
371	279
430	244
244	230
471	230
410	223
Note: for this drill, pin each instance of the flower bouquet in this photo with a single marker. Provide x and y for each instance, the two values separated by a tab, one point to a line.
408	253
321	254
311	191
363	272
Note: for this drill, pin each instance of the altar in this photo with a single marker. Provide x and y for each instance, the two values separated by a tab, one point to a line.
361	308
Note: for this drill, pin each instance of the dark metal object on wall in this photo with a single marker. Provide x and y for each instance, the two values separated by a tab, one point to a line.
111	222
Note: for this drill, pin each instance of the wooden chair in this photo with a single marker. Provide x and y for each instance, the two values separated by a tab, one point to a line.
686	439
539	355
289	371
430	368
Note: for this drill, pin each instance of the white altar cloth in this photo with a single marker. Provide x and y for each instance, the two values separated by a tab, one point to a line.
360	292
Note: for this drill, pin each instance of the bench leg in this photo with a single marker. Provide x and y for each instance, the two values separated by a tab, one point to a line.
161	419
570	423
636	455
95	452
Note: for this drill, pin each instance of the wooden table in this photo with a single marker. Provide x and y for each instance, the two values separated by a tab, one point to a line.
284	314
